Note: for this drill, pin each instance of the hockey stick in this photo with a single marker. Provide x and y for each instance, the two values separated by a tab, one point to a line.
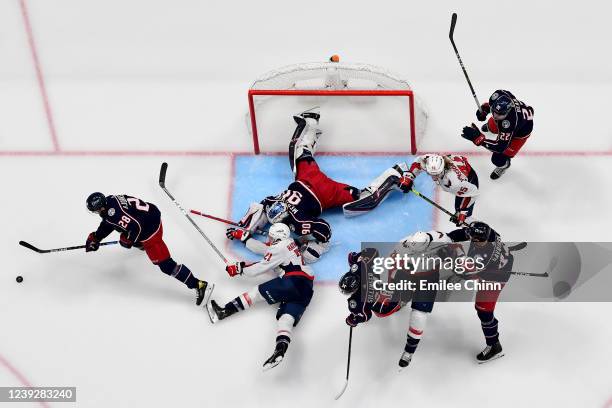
439	207
348	364
450	36
235	224
162	184
70	248
517	247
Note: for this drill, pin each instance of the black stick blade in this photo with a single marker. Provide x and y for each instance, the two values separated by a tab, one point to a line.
29	246
518	246
162	174
452	26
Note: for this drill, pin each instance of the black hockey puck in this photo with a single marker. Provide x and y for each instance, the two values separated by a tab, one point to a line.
19	279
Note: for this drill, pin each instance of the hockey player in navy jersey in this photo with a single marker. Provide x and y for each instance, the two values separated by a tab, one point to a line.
486	245
292	288
511	121
140	226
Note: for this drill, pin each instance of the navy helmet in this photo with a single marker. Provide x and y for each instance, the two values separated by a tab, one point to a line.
479	231
500	104
96	202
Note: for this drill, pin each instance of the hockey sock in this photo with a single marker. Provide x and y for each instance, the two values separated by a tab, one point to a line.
284	327
489	326
418	319
180	272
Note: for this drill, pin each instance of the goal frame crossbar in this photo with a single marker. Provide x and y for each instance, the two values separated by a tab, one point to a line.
328	92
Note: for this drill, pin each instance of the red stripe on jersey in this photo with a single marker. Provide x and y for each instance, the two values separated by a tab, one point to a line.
247	298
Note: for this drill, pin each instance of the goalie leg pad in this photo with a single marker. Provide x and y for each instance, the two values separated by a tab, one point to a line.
376	192
303	143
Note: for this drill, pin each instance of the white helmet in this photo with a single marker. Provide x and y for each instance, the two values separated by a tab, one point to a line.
278	232
417	242
434	164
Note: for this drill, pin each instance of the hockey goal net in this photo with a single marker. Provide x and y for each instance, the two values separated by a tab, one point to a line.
363	107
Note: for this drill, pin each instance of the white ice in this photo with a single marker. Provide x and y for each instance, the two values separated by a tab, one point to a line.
132	84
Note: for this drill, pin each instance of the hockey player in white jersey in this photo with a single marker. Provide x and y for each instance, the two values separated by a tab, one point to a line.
386	303
292	288
452	173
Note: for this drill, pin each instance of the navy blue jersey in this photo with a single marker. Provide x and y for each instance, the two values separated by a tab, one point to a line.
518	124
493	253
138	219
303	211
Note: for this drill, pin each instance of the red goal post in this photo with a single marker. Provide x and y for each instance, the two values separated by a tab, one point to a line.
329	79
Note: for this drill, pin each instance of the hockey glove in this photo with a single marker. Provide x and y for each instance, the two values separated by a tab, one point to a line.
125	242
473	134
234	269
485	109
405	183
237	233
92	243
458	219
355	318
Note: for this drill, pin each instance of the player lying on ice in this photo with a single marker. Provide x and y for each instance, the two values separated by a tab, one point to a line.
452	173
484	243
511	120
292	288
140	226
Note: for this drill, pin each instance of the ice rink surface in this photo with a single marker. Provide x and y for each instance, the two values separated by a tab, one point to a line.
95	96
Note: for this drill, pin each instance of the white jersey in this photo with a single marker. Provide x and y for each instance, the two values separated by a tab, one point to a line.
455	179
283	257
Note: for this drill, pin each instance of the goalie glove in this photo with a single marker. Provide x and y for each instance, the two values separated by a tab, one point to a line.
473	134
235	268
238	233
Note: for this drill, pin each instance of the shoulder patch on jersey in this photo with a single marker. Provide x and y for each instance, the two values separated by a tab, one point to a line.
506	124
354	267
494	96
111	212
352	304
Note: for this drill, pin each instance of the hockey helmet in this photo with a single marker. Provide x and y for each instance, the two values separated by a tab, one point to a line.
350	281
96	202
500	105
278	232
479	231
434	164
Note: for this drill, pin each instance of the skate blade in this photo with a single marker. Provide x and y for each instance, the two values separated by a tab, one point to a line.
208	292
342	390
269	366
211	313
492	358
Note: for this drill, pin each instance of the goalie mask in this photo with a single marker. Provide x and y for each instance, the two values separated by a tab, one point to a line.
276	212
